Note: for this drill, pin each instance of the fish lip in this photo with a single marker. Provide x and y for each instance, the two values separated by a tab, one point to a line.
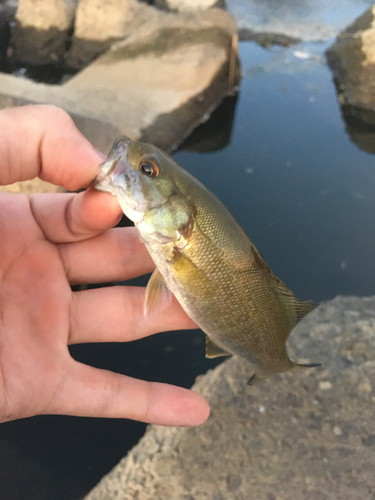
116	156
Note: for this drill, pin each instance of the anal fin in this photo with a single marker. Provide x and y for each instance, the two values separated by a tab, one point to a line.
252	380
213	350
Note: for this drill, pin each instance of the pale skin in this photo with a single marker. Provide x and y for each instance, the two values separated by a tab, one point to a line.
51	241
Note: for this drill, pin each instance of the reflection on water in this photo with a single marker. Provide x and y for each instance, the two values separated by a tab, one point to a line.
362	136
216	133
291	176
303	192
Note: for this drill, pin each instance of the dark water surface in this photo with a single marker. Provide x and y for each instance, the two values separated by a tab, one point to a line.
303	192
297	184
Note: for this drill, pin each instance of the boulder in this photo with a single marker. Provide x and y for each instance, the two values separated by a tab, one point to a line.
42	31
306	434
97	25
352	61
157	85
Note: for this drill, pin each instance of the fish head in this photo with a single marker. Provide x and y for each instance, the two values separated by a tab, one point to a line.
145	181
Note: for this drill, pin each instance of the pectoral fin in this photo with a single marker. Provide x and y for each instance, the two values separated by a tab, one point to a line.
158	296
214	351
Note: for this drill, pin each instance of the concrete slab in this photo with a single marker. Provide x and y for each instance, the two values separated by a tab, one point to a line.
157	86
308	434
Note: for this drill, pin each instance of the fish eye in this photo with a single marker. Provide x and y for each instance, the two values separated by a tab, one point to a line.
149	168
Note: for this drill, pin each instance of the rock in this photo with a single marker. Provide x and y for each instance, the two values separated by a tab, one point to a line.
42	31
186	5
307	434
7	15
101	20
97	25
157	85
352	61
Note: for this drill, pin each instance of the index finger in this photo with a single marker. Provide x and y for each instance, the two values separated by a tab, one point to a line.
42	140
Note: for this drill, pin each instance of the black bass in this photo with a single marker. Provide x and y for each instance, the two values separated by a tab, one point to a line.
204	258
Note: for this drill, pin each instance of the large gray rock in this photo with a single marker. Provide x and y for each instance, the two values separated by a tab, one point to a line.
302	435
41	31
352	60
98	24
157	85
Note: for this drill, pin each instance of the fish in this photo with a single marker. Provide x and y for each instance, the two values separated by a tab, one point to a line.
204	258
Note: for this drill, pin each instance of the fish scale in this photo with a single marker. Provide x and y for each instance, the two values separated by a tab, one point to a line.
204	258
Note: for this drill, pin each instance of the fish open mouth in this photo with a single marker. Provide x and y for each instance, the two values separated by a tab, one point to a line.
116	155
118	178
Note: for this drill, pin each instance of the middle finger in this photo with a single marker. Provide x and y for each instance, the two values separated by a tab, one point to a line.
115	255
115	314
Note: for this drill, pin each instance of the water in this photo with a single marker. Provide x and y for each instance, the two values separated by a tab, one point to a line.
305	195
293	179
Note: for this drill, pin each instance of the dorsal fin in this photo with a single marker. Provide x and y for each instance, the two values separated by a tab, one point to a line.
296	309
302	308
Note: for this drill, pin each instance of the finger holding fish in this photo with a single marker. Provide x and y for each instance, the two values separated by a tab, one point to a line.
115	314
115	255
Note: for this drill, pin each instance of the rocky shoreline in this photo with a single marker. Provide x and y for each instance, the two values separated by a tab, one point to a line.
308	434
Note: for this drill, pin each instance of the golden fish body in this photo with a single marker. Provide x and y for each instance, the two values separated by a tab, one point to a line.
204	258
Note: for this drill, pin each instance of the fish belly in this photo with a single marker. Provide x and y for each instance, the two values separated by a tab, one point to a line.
239	315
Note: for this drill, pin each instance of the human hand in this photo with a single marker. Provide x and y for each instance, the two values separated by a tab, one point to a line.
49	242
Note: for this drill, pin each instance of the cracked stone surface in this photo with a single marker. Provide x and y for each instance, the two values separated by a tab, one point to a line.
307	434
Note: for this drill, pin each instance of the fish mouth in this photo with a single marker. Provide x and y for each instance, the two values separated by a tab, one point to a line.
118	178
116	158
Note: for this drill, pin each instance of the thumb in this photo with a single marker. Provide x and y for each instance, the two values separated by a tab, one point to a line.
42	140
